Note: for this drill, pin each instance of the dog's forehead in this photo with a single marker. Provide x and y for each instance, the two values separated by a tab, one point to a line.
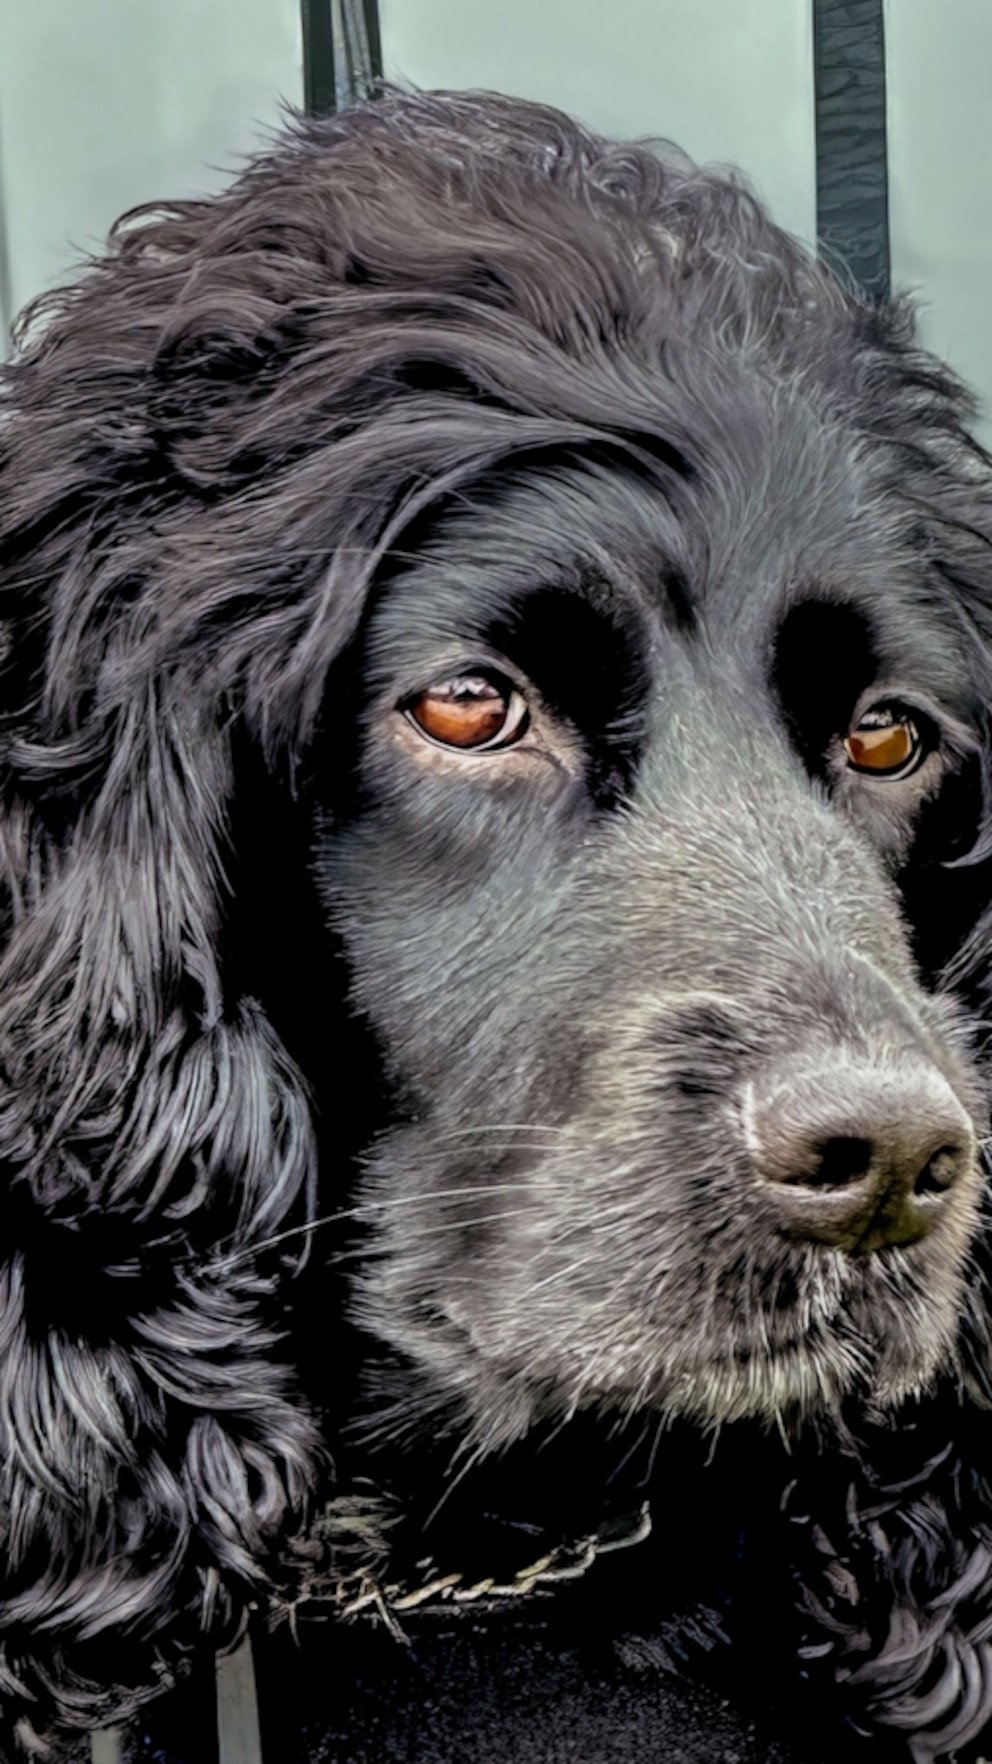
774	511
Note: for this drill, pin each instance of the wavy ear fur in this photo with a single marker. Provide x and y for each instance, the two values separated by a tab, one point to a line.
151	1442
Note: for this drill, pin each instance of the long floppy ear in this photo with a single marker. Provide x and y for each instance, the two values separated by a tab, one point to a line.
153	1133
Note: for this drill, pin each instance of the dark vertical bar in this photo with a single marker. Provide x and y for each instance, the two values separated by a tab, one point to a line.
373	34
852	177
342	53
318	57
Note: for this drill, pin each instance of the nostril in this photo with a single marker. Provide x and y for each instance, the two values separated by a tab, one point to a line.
940	1172
840	1162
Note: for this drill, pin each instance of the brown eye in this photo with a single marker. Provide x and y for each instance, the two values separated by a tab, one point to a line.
471	712
886	743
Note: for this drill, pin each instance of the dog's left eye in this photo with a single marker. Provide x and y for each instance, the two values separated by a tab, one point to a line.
474	713
885	743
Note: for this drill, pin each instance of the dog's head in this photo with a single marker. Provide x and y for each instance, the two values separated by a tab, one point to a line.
664	725
608	595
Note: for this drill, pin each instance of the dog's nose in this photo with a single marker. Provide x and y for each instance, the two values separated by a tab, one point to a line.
860	1158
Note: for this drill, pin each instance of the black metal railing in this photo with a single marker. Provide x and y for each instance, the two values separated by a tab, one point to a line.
342	53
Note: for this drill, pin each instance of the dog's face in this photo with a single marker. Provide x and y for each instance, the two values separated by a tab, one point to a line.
645	788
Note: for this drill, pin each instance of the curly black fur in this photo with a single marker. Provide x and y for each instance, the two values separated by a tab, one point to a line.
448	385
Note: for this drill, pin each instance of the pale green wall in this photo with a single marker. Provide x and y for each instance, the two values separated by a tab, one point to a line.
105	103
940	174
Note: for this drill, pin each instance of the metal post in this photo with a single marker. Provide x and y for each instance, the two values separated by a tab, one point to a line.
852	175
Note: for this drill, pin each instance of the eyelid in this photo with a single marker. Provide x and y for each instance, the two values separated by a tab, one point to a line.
903	702
462	666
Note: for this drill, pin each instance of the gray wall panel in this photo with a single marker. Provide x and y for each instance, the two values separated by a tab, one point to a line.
107	103
939	74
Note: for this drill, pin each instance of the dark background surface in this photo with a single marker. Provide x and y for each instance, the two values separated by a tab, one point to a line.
464	1697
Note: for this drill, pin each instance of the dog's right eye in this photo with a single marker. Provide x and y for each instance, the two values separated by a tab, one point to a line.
473	713
885	743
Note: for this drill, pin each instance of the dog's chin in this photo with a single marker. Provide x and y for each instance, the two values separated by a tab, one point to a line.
879	1329
793	1385
882	1360
787	1388
809	1378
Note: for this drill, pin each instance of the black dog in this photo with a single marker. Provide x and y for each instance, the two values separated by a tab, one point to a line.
483	596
